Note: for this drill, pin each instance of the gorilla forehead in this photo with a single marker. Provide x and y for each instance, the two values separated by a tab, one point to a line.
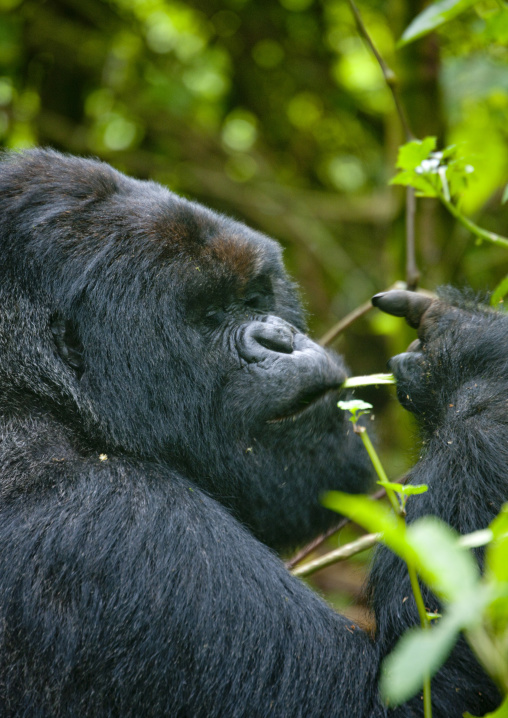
72	209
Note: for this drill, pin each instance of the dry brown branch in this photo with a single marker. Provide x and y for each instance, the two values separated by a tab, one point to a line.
340	554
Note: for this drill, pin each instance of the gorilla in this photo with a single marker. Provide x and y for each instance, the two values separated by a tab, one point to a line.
166	427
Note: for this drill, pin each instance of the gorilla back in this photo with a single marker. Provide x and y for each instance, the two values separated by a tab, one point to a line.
164	417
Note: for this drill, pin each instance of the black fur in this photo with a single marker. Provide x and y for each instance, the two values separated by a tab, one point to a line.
164	421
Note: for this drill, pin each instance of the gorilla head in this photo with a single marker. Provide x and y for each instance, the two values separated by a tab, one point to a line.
157	329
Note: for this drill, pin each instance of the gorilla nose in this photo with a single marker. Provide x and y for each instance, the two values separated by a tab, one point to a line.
260	339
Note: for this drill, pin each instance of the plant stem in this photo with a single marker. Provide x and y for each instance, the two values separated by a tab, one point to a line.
379	468
388	74
472	227
425	623
412	273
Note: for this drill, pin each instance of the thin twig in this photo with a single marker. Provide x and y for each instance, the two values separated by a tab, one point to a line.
340	554
344	323
412	273
388	73
316	543
352	317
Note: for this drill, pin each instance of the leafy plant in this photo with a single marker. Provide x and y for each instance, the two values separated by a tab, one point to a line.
444	174
473	604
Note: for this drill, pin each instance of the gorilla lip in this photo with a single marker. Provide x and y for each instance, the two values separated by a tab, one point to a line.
305	401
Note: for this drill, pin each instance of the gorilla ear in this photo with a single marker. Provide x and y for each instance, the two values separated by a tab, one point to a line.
67	343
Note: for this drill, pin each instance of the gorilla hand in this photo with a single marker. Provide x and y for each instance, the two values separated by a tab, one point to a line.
460	345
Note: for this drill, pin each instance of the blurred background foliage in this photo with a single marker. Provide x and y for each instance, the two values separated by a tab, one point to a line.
275	112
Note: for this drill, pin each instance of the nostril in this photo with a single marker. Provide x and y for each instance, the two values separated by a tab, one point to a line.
276	340
260	340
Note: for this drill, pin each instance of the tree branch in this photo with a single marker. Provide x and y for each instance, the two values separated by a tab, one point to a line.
351	318
340	554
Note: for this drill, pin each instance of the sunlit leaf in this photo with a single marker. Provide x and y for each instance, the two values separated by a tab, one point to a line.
476	539
496	559
406	489
444	565
433	17
373	516
413	153
417	654
420	653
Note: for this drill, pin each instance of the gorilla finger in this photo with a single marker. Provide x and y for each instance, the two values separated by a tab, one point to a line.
415	346
400	303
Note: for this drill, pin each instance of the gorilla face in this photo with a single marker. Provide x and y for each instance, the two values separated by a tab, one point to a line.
180	339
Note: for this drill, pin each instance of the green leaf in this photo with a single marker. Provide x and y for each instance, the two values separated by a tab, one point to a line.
476	538
499	292
496	559
429	544
505	195
423	184
373	516
413	153
433	17
444	565
420	653
354	405
371	379
417	655
406	489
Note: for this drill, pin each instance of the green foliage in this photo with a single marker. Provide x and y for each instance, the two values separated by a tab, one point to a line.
443	175
474	604
404	491
357	407
433	17
432	173
273	112
421	653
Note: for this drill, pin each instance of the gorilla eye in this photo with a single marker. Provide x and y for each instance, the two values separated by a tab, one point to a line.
259	296
255	301
215	315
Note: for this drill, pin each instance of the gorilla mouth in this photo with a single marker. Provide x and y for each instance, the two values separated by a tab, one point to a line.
305	401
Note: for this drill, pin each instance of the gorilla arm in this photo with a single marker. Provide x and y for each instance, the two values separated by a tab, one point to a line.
143	596
454	380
